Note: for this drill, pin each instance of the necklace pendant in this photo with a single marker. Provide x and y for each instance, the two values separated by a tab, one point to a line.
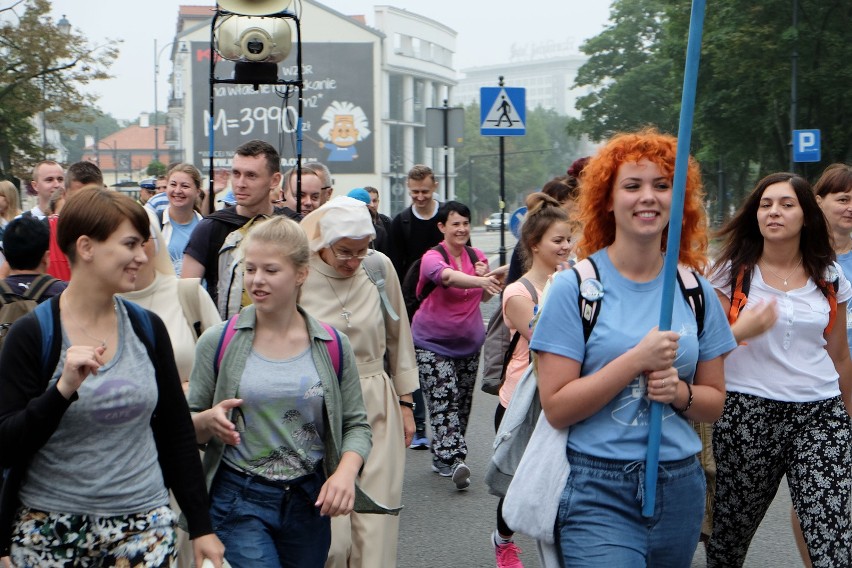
346	315
785	283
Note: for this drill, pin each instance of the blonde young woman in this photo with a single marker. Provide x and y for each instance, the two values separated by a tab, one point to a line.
285	431
183	188
339	292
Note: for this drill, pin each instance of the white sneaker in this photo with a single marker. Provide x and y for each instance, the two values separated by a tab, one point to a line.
461	475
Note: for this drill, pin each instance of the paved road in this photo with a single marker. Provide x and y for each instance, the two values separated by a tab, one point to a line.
444	527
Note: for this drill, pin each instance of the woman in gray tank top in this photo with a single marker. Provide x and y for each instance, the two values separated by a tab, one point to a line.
93	423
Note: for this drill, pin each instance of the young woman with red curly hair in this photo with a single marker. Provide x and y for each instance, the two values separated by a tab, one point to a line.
603	386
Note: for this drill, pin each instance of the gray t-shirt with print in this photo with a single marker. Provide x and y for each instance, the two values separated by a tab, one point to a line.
102	459
281	419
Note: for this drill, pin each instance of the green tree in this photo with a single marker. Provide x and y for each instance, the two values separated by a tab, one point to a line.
156	168
41	70
628	72
742	115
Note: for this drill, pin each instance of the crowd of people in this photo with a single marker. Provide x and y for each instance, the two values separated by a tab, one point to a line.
303	341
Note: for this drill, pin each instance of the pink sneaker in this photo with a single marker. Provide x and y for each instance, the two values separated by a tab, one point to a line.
507	555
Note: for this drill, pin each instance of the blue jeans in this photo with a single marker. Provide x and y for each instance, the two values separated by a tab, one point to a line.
269	525
600	522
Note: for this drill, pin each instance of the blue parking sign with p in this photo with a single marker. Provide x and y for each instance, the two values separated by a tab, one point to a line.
806	146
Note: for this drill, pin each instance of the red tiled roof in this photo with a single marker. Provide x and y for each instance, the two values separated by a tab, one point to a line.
206	11
134	140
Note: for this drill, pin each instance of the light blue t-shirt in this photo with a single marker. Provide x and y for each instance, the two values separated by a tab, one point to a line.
628	311
845	262
177	241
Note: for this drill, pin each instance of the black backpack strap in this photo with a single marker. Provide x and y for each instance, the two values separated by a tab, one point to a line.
39	286
692	291
510	351
429	286
471	253
586	269
405	219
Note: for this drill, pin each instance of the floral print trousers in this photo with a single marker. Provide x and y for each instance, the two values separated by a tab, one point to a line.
755	443
62	540
447	384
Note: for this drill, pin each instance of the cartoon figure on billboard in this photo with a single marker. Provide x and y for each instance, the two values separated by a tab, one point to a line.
345	124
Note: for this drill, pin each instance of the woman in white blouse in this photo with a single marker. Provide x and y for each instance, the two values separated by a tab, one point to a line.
789	384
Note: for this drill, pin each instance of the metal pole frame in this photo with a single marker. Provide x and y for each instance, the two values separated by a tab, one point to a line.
298	83
502	250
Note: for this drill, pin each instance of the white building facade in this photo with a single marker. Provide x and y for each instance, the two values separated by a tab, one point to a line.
546	70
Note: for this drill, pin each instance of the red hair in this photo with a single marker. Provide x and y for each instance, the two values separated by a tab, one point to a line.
598	178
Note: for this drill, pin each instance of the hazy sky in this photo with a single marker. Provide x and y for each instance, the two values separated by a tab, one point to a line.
486	32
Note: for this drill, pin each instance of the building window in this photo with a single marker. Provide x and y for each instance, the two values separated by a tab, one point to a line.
396	99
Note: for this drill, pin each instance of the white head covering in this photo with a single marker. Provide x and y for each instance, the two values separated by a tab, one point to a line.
341	218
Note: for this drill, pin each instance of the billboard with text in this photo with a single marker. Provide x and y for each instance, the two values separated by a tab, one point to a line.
338	123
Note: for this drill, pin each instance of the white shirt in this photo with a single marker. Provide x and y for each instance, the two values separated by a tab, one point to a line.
38	213
789	362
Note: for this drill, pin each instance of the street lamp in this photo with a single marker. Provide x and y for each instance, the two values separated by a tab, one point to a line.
64	26
157	55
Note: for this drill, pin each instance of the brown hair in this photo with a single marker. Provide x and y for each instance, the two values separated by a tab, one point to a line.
837	178
542	212
97	213
255	148
420	172
189	170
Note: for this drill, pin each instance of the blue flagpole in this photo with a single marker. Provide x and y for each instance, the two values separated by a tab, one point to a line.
684	136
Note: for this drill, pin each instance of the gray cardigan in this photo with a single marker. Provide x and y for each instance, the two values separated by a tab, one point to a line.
346	427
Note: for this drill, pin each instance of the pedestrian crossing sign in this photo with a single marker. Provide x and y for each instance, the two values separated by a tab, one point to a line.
502	111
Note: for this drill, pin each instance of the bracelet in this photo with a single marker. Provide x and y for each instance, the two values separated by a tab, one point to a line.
688	402
407	404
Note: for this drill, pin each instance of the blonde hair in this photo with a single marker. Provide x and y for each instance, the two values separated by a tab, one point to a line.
189	170
286	235
8	190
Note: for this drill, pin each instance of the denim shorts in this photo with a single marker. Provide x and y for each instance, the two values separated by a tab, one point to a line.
269	524
600	522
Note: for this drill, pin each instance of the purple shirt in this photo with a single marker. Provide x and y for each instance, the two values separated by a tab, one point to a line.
449	321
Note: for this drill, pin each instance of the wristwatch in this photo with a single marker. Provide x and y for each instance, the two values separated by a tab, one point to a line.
405	403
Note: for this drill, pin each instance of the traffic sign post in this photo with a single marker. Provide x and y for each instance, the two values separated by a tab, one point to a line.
502	113
806	146
516	220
